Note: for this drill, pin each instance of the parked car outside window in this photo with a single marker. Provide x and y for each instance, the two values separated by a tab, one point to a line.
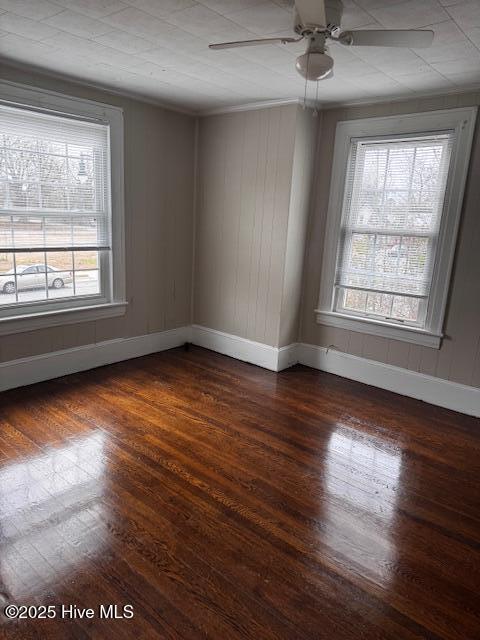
33	277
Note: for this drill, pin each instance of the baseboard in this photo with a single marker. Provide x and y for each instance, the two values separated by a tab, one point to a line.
442	393
287	356
263	355
18	373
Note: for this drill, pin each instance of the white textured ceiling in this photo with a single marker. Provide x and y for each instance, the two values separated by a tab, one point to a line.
158	48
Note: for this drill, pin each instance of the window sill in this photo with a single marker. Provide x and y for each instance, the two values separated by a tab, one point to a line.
58	317
379	328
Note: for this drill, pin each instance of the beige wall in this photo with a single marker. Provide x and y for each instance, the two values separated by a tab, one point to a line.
244	185
302	177
459	356
159	151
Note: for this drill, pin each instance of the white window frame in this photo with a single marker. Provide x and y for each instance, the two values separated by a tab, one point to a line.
113	302
462	121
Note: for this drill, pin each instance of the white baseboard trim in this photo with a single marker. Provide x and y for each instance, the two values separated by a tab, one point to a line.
451	395
24	371
287	356
263	355
443	393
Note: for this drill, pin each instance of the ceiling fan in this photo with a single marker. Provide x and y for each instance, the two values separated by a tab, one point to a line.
318	21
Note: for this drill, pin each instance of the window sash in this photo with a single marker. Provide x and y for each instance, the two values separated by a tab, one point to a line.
344	273
46	152
55	249
98	186
372	277
51	232
461	121
390	318
76	299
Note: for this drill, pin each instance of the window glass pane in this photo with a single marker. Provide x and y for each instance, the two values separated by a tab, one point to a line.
32	274
85	231
86	260
405	308
53	179
3	193
6	238
7	279
58	232
52	147
412	256
354	300
23	195
60	260
386	263
399	167
80	151
87	283
379	304
82	198
28	260
13	140
60	284
28	232
81	183
53	169
3	166
361	252
30	284
399	184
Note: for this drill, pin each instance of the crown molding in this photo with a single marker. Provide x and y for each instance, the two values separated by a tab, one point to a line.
365	102
325	106
249	106
132	95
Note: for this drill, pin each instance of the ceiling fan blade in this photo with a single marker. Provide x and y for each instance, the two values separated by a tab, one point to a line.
253	43
411	38
311	12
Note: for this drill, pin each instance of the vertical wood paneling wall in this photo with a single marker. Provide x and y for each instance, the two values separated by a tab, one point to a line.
302	177
159	168
245	163
458	359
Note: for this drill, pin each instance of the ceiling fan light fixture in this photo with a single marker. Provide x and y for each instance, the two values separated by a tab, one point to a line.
314	66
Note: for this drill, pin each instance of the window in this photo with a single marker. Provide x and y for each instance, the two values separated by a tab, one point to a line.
61	210
394	206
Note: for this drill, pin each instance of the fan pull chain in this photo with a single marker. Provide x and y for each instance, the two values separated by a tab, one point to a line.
306	83
315	111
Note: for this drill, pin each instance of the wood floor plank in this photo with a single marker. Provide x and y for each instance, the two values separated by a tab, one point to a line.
225	501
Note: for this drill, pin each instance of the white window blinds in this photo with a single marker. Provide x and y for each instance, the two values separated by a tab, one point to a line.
54	183
393	203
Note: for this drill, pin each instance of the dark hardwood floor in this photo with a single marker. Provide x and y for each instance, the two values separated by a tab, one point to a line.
224	501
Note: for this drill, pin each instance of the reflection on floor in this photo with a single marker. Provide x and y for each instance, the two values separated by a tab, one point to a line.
50	514
363	472
221	500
